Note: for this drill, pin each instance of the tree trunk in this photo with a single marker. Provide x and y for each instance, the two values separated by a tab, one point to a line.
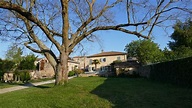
62	70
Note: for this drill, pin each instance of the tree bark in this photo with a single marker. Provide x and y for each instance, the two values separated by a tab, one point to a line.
62	70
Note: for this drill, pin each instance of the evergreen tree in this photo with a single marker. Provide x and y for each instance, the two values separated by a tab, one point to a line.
182	39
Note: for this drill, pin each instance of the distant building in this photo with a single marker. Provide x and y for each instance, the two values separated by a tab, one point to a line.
104	58
46	70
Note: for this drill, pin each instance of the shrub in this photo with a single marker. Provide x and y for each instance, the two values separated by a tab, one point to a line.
24	75
71	73
176	72
78	71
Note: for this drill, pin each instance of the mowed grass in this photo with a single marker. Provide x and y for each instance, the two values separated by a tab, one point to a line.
99	92
6	85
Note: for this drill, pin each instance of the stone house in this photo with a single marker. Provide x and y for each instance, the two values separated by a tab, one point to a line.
104	58
44	68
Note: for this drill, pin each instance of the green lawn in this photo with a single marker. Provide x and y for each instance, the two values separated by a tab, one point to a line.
5	85
97	92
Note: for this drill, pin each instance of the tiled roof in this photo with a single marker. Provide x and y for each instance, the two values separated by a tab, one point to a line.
79	56
111	53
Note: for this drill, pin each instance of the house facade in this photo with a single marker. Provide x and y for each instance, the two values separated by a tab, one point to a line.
104	60
46	70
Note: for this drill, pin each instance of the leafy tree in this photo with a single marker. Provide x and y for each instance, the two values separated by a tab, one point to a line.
182	39
5	66
66	23
145	50
14	53
27	63
132	47
168	54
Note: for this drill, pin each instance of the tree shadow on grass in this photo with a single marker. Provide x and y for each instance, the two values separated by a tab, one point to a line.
113	91
42	86
121	92
39	86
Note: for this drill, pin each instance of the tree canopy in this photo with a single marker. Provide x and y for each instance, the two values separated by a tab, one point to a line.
146	51
181	43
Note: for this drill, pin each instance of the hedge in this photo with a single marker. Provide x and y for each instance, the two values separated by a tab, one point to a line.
177	72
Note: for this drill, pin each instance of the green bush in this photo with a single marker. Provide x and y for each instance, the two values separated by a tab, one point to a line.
78	71
71	73
23	75
176	72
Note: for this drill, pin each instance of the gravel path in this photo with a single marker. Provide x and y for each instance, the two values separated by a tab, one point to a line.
10	89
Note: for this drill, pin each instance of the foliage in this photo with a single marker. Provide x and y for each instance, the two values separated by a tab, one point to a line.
5	66
182	39
176	72
145	50
23	75
71	73
182	35
78	71
168	55
95	62
27	63
132	47
14	53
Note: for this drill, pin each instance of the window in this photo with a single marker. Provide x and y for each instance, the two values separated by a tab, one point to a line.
118	58
90	61
102	59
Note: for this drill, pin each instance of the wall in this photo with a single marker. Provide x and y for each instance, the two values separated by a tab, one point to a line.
109	60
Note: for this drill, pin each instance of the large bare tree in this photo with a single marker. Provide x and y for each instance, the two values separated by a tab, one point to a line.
65	23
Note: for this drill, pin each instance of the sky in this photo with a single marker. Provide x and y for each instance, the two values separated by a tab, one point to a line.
108	41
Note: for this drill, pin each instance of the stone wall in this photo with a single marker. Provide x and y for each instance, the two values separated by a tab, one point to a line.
144	71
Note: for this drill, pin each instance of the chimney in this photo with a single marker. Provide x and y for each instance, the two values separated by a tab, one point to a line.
102	50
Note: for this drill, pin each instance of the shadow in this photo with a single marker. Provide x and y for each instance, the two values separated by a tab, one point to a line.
32	85
108	90
28	84
42	87
121	92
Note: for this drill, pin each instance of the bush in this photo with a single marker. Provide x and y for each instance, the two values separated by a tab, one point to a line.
71	73
78	71
24	75
176	72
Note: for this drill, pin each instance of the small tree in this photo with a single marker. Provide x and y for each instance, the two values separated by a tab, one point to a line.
14	53
5	66
27	63
95	62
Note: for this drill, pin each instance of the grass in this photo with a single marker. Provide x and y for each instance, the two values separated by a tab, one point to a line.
6	85
97	92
